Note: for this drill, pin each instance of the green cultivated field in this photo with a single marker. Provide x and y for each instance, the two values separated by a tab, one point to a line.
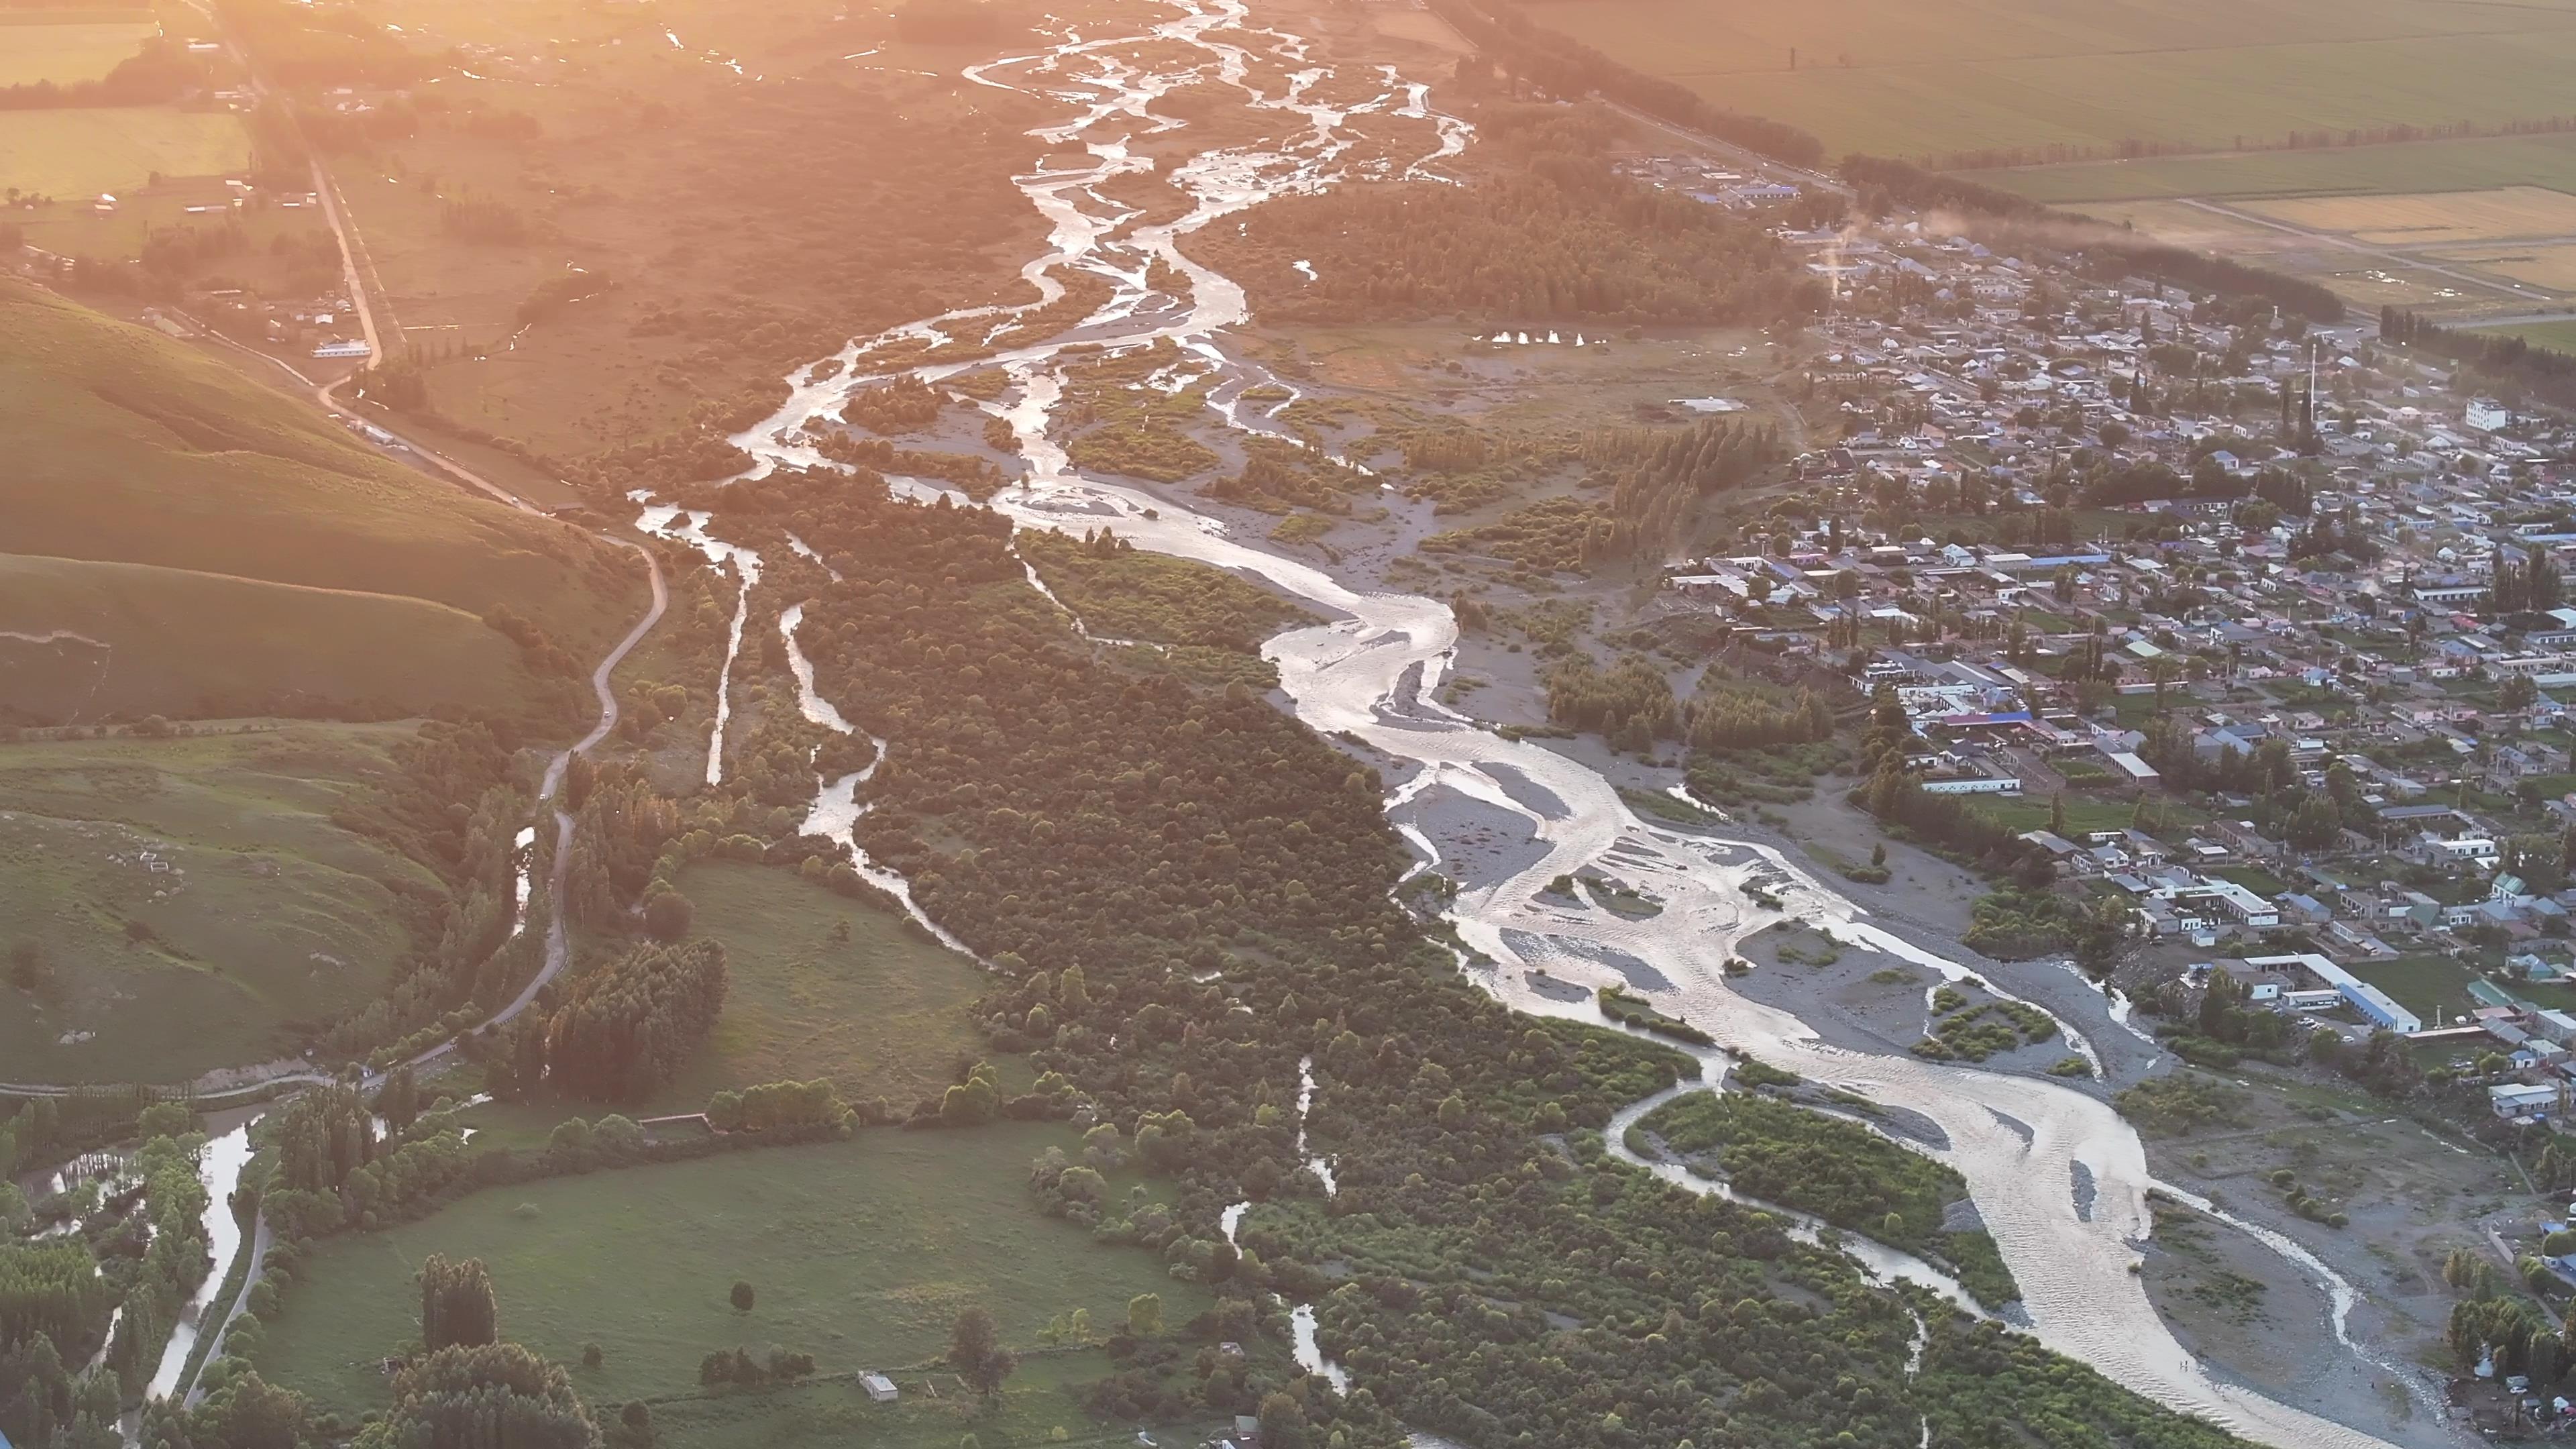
862	1252
1917	79
268	913
2465	165
80	153
66	54
2560	337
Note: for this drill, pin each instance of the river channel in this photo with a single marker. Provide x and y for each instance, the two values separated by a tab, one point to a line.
2022	1143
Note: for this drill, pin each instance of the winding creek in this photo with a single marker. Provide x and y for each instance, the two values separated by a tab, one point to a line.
2024	1144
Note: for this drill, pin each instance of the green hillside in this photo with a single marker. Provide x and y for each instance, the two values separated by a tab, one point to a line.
129	448
96	641
175	905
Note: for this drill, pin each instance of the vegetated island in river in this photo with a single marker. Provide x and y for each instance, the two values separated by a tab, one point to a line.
1839	1171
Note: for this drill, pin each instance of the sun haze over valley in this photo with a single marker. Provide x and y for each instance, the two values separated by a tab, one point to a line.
1264	724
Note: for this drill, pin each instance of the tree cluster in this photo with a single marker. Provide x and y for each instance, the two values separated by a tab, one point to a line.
628	1028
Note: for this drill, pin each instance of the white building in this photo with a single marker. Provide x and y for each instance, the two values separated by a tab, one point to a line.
2516	1100
2375	1005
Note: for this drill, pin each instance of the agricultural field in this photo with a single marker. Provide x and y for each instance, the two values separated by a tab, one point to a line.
1934	80
860	1253
2548	268
174	905
65	53
2476	164
2424	218
80	153
2560	336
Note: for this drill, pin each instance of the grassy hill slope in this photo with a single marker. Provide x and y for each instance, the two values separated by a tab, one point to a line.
176	905
126	447
121	641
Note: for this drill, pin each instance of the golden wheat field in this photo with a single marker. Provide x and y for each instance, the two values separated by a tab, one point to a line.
2429	218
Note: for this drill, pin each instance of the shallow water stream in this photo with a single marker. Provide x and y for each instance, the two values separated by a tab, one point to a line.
2018	1141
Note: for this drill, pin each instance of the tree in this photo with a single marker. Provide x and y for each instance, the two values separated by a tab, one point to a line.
742	1297
1145	1315
667	916
976	1100
1283	1422
628	1028
975	1351
398	1101
457	1306
466	1398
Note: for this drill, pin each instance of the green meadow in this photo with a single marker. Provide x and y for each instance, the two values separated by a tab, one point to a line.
177	905
860	1253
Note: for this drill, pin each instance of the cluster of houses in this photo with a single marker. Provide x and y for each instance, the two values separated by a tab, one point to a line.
2302	555
1701	181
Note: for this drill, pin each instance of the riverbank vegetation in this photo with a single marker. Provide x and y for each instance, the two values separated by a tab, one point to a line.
1186	912
1544	231
1838	1170
1120	591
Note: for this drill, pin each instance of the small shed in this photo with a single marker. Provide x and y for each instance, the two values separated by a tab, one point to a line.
880	1388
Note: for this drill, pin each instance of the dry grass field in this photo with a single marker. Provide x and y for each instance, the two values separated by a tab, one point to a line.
2427	218
1419	26
2550	267
67	54
83	152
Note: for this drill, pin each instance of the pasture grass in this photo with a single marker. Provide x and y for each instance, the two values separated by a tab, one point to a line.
861	1253
80	153
882	1014
2254	878
2416	166
266	914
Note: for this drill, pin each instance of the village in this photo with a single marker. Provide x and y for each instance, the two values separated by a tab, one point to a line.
2254	627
